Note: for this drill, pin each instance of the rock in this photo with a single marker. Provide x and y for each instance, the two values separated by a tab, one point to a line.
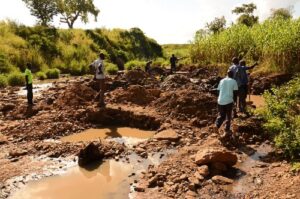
3	139
214	154
203	170
194	180
17	153
7	107
219	166
198	176
90	154
169	135
221	180
140	188
153	181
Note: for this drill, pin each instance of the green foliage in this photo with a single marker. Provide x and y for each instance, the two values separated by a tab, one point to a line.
296	166
3	81
135	64
16	79
43	10
274	43
217	25
41	75
111	69
283	13
71	10
246	14
52	73
70	51
282	116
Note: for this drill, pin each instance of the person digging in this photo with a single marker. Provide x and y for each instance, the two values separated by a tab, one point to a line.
99	76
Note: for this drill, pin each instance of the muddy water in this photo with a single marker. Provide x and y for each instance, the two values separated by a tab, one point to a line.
108	180
37	88
257	100
248	165
124	135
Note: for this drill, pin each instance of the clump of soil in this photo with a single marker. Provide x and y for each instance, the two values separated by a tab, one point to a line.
184	104
135	94
260	84
76	94
174	81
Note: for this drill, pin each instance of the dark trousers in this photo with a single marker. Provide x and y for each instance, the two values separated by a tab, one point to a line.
225	112
29	93
243	90
173	69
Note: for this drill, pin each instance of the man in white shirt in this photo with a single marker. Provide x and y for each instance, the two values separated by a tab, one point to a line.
227	87
99	76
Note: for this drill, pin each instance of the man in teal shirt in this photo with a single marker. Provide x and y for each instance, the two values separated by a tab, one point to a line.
28	78
227	88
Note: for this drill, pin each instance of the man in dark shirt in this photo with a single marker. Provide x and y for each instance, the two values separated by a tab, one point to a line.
173	61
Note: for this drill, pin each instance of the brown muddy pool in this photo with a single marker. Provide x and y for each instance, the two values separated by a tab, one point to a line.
126	135
107	180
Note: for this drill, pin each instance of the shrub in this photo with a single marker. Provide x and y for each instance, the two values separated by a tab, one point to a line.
16	79
111	69
3	81
53	73
41	75
282	116
134	64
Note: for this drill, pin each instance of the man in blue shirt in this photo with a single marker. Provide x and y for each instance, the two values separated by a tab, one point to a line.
226	88
241	76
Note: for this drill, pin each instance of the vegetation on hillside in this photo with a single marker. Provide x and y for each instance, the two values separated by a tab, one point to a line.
282	117
72	50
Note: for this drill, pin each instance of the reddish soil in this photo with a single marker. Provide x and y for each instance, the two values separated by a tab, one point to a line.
181	110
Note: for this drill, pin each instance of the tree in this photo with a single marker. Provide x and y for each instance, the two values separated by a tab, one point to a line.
44	10
71	10
246	14
217	25
283	13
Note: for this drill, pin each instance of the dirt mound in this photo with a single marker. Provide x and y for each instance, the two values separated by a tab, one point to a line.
135	94
174	81
260	84
186	104
76	94
135	76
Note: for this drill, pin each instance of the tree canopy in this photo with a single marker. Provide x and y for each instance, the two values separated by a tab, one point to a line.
284	13
246	14
71	10
217	25
43	10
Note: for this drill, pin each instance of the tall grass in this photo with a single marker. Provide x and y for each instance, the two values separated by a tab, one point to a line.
275	44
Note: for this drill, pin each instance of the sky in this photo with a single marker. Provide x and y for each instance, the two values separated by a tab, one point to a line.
166	21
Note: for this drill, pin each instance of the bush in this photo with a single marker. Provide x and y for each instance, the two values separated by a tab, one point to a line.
3	81
282	116
53	73
134	64
111	69
16	79
41	75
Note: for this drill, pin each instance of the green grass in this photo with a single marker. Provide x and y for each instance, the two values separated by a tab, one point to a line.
16	79
52	73
3	81
41	75
111	69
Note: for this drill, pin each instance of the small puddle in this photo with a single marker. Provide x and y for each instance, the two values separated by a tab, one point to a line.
107	180
242	184
126	135
37	88
257	100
